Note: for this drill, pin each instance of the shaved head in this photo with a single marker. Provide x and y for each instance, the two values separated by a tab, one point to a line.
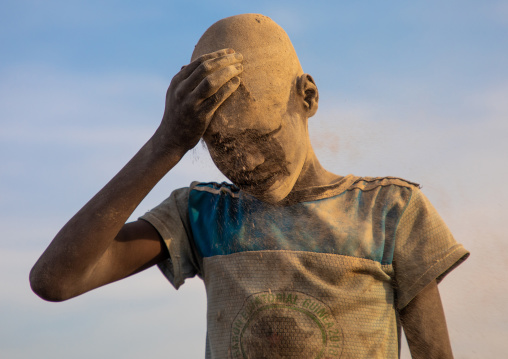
264	45
270	64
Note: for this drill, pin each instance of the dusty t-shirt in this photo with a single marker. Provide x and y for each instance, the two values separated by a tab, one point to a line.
320	275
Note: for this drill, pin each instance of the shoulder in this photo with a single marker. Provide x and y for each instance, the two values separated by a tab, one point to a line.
214	188
385	191
372	183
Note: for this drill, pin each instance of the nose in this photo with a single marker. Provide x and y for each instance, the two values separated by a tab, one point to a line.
250	160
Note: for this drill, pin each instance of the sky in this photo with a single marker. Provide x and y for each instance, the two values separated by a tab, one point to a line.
416	90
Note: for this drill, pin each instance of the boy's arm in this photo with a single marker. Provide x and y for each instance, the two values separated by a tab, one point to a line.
424	324
95	247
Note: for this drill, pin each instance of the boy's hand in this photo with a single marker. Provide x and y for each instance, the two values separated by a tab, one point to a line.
193	96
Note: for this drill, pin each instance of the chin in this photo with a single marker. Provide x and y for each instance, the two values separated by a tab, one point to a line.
274	194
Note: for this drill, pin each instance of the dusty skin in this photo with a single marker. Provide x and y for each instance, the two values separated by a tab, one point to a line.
246	94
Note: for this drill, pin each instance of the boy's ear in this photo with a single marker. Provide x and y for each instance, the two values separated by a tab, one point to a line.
307	90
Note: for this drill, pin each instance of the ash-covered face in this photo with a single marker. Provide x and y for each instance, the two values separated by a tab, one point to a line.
258	137
258	145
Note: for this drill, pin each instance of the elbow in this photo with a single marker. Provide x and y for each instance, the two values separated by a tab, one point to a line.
47	288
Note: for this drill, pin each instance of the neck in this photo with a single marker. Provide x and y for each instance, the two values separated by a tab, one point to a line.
313	174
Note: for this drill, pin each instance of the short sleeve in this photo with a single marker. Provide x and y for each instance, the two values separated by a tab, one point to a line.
424	249
170	219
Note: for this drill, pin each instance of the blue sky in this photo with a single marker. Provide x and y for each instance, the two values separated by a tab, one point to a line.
416	90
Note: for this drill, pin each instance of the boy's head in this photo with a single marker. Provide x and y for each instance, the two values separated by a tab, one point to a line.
258	137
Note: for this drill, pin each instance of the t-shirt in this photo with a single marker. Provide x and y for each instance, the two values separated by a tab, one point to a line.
318	275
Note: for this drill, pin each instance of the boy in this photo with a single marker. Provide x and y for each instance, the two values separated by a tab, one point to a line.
297	262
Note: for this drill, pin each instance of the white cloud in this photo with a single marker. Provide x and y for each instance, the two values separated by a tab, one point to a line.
491	104
368	135
72	136
140	315
32	96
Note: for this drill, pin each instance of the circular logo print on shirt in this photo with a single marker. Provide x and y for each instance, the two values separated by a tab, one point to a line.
285	325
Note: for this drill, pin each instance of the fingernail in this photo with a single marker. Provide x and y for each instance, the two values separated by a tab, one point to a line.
230	51
238	56
239	67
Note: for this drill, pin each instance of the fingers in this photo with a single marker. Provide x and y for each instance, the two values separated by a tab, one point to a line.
187	70
196	92
209	67
214	101
210	84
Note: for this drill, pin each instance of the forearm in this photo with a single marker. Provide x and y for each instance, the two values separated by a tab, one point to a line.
95	248
425	327
64	269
